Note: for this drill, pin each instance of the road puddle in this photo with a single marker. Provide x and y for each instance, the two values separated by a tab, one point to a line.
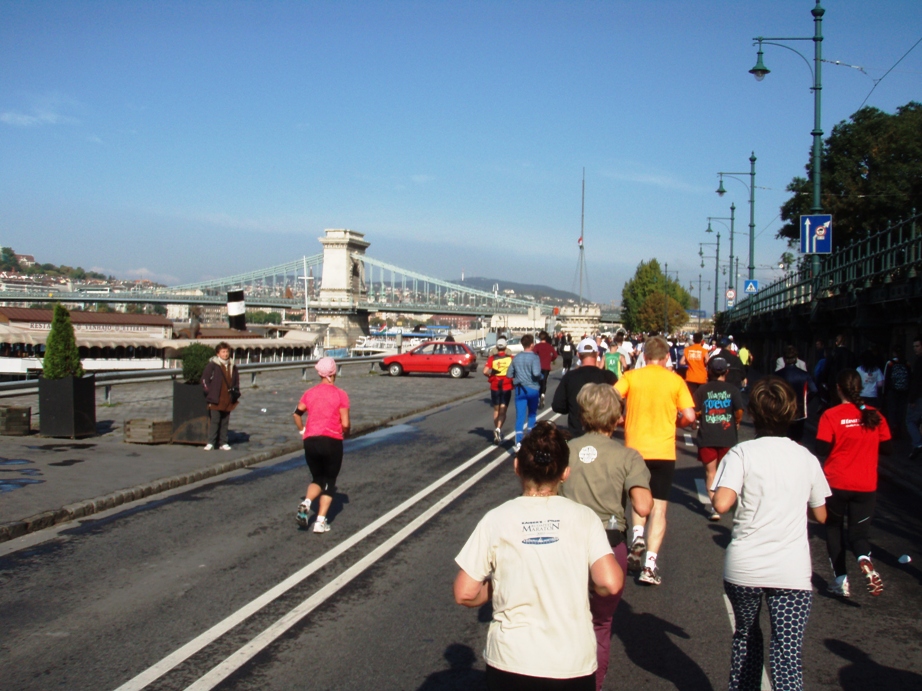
28	476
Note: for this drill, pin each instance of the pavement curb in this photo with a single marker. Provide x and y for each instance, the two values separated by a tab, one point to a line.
88	507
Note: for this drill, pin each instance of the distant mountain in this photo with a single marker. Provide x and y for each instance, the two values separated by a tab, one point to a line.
538	291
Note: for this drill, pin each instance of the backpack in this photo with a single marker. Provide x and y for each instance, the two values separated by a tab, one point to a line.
899	376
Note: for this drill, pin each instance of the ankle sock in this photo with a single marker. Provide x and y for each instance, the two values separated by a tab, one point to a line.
650	562
638	532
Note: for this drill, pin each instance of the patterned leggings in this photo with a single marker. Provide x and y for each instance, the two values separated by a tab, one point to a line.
788	611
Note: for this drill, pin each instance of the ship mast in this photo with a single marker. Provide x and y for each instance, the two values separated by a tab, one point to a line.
582	219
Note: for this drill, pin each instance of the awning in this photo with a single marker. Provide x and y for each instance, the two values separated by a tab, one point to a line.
177	344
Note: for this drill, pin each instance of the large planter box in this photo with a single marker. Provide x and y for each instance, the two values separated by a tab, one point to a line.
190	414
15	420
67	407
142	431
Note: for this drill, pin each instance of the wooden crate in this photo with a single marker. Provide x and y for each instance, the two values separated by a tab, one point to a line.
142	431
15	420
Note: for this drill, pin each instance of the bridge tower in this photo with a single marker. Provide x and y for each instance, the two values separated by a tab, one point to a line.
343	286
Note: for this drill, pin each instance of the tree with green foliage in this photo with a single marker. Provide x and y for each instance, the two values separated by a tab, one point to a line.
62	357
649	280
260	317
8	261
651	313
871	175
195	357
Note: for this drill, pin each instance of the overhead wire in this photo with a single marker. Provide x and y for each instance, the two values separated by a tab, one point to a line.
878	81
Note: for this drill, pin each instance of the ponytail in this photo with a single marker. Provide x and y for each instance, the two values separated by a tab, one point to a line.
849	382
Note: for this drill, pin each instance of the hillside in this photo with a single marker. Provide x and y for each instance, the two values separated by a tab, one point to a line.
538	291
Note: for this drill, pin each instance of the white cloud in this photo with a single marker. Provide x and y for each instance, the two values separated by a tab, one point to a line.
655	179
145	273
38	117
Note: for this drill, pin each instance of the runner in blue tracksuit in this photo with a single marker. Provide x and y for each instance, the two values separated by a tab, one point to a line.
525	373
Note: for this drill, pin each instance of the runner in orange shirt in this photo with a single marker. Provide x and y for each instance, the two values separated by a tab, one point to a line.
695	359
655	398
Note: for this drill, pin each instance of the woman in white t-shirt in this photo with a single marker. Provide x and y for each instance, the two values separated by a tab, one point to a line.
533	556
872	379
772	480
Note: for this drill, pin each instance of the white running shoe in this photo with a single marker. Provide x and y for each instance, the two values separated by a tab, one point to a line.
225	447
516	448
875	584
840	589
321	527
209	447
650	576
497	436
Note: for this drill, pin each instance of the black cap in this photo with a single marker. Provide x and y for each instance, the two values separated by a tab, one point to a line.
718	366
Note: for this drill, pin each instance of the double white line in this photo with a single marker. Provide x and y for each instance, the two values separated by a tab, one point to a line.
264	639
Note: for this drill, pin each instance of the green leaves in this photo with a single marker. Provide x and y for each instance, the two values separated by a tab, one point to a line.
62	357
649	281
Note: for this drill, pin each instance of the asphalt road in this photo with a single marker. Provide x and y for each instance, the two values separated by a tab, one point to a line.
102	603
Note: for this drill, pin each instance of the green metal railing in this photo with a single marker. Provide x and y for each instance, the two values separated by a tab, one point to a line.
891	255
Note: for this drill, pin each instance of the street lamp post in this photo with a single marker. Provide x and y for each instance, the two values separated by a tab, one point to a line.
752	207
759	72
716	266
732	220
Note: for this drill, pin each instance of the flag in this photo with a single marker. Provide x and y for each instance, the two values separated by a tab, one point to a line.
580	241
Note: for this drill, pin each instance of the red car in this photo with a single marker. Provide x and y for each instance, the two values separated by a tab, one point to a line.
433	356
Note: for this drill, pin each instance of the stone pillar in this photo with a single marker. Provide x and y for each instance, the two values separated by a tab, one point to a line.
343	287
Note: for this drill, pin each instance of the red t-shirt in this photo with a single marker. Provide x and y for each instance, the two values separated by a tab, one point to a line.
498	365
323	403
546	354
852	463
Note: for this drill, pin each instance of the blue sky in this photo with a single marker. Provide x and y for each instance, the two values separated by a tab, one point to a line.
188	140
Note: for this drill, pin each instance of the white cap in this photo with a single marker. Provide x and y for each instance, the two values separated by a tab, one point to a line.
500	342
587	345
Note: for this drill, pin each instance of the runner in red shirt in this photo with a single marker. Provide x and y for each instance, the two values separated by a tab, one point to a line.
500	387
546	354
853	434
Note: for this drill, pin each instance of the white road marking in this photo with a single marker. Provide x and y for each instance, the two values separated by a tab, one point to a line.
702	491
183	653
766	684
688	439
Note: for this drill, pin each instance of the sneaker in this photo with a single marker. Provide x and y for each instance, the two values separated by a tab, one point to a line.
635	555
209	447
840	589
714	516
321	527
516	448
302	515
541	401
875	585
225	447
650	576
497	436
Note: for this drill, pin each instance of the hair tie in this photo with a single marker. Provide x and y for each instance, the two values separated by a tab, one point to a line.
861	407
542	457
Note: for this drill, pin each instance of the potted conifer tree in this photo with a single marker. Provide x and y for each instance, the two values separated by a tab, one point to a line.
190	410
66	395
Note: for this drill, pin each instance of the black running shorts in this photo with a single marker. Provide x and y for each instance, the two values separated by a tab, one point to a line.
324	456
661	473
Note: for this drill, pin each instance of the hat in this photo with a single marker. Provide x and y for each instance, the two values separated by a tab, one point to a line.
326	367
587	345
500	343
718	366
724	341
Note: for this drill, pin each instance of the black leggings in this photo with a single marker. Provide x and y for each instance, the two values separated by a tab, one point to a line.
859	508
498	680
324	456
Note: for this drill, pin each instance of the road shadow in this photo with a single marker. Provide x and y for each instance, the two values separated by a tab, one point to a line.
234	437
460	675
863	673
483	432
105	426
647	643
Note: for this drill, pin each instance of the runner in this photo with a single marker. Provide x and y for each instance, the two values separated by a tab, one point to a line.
566	352
719	407
695	359
772	481
500	387
851	435
327	408
566	400
601	470
546	354
525	373
654	398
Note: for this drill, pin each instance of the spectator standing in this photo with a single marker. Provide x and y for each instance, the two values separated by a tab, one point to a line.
566	400
655	396
525	373
546	354
500	387
221	382
851	435
772	481
532	559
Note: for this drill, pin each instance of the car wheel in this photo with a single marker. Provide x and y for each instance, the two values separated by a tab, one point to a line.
456	371
395	370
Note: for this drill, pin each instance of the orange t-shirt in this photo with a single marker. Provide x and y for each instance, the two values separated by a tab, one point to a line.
654	398
696	357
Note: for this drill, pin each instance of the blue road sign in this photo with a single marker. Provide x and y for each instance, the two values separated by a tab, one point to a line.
730	302
816	234
750	286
